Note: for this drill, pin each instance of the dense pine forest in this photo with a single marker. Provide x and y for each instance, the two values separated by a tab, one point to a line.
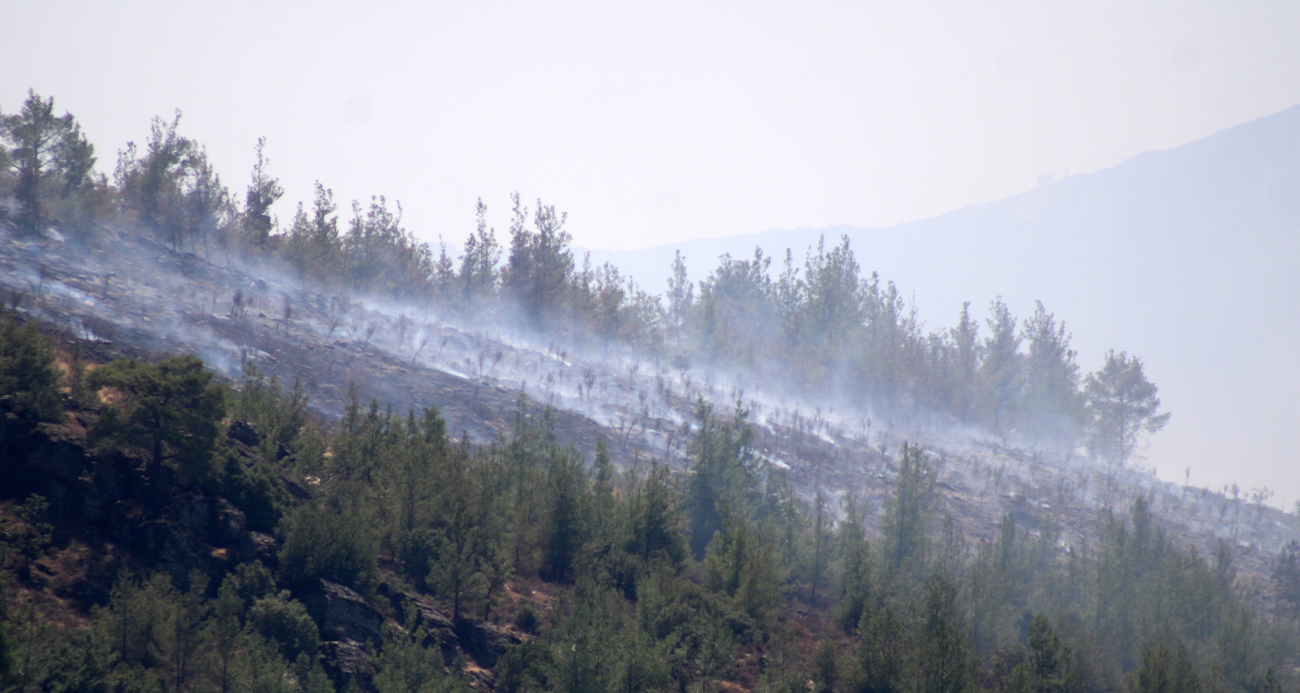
164	529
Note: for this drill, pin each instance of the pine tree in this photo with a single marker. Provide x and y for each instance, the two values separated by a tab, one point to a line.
1051	399
909	512
1122	407
1000	370
681	298
263	192
52	157
29	377
170	409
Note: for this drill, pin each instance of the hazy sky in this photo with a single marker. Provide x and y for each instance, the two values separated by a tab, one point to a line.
656	122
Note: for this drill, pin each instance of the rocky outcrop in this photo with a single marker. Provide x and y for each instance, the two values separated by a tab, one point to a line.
342	613
112	497
481	641
347	662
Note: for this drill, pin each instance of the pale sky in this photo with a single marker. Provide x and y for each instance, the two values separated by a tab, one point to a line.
657	122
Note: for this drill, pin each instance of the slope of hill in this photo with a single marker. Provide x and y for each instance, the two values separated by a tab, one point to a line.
1189	258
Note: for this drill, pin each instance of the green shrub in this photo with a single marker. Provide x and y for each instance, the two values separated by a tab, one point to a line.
28	374
170	410
323	543
285	621
253	488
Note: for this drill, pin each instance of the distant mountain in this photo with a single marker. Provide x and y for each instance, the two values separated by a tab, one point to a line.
1189	258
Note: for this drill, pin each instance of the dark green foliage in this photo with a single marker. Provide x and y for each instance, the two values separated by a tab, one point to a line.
250	582
540	264
720	480
407	667
1000	582
856	583
36	531
524	668
740	563
322	542
381	256
254	489
826	675
909	512
700	631
881	653
567	522
627	607
1047	665
942	662
263	191
43	656
279	417
170	409
1286	577
1166	668
29	377
526	620
656	530
285	622
1051	400
173	191
53	162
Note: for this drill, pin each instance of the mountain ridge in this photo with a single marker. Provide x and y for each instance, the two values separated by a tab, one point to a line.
1182	256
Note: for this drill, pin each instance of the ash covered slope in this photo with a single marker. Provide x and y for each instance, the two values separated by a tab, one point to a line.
1189	257
141	298
138	298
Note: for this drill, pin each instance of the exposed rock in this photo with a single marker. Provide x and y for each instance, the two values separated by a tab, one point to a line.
261	546
342	613
437	624
231	524
114	498
244	432
347	661
484	642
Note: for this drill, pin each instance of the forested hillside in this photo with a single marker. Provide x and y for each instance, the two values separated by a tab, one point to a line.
163	531
168	528
823	330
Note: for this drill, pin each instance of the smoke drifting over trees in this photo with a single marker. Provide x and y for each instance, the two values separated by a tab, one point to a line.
380	551
825	330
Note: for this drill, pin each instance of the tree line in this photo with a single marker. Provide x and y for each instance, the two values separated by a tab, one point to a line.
696	581
825	328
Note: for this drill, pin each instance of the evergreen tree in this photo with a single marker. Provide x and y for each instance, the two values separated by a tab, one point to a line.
1166	669
540	264
170	409
965	365
478	266
882	653
909	513
263	192
313	245
52	157
1286	577
29	377
942	663
1000	370
681	298
1122	406
1051	381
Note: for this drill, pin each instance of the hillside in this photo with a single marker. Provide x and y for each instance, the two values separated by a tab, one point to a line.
327	457
1189	257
